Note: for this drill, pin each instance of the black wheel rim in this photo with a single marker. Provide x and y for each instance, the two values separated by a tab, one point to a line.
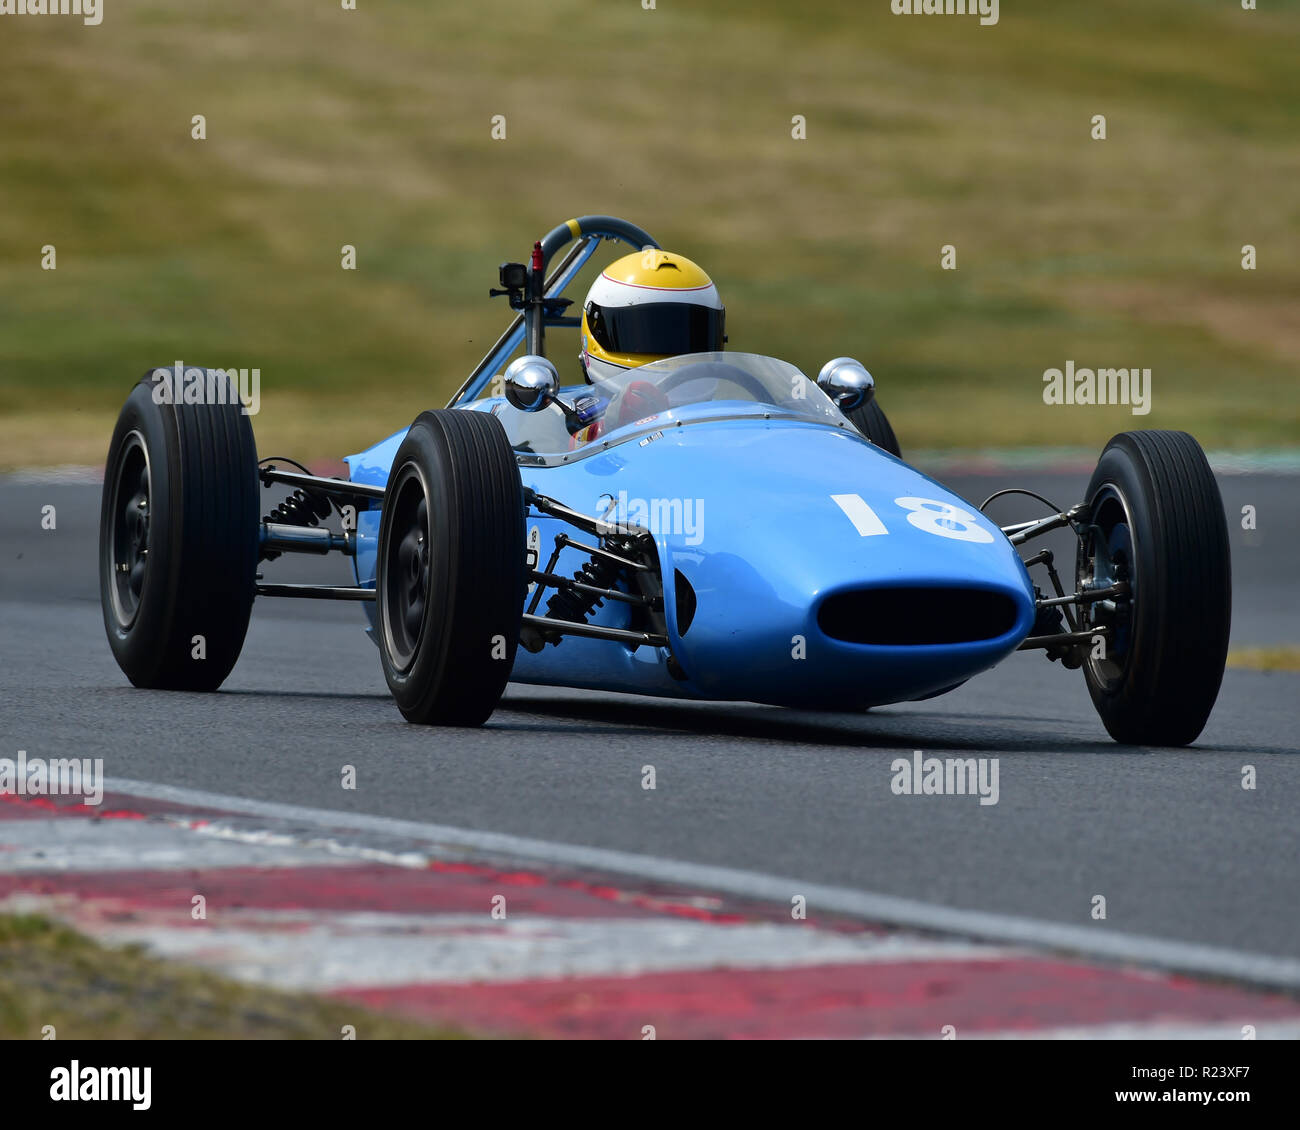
406	569
1107	557
131	513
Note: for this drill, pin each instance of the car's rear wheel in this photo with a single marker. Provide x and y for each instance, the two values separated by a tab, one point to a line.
871	421
1156	522
451	571
178	535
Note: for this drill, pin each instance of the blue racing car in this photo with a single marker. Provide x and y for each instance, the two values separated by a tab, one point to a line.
687	521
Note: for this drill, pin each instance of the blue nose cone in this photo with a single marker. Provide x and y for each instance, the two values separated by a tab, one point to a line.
819	571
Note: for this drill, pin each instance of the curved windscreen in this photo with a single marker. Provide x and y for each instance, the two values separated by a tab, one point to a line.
686	389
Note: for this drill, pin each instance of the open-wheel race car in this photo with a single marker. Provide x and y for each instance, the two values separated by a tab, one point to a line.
711	525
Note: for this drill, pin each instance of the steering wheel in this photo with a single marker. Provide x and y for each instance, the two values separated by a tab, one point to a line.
708	370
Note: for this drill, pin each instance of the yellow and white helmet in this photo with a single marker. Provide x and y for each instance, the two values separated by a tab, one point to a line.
646	306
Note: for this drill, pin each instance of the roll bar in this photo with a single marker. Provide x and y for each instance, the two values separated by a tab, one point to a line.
539	306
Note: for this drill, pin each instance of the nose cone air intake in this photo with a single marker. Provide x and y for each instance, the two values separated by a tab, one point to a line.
915	616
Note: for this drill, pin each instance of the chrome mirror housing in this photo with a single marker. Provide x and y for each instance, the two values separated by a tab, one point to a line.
847	383
532	383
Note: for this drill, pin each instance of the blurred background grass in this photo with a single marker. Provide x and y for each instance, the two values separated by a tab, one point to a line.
372	127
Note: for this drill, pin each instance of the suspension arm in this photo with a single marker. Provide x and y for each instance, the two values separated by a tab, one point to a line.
1020	532
1063	639
558	582
596	526
593	631
335	488
1088	596
317	592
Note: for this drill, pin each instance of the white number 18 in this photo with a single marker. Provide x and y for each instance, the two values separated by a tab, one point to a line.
924	513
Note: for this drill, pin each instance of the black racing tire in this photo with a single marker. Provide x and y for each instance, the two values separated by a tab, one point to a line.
1156	520
178	536
871	421
451	575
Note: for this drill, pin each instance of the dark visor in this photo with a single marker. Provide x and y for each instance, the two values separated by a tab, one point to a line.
656	327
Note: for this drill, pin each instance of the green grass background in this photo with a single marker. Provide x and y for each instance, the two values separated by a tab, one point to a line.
372	127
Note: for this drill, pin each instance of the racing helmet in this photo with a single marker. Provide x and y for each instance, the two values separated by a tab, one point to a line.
644	307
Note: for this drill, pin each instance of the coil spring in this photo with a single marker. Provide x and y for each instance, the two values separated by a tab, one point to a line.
301	509
574	606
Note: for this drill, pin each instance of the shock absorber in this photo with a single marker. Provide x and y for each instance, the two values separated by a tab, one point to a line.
299	509
576	605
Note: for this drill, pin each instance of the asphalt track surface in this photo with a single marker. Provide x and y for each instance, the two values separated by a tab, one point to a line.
1173	842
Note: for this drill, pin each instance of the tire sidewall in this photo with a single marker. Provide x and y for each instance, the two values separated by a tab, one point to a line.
135	646
421	456
1119	469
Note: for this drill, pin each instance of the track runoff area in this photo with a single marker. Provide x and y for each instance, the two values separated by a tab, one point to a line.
608	946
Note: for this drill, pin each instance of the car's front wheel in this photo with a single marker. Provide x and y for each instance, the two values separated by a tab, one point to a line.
1156	525
451	571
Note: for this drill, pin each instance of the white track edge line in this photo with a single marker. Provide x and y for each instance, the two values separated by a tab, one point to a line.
1130	1030
1117	946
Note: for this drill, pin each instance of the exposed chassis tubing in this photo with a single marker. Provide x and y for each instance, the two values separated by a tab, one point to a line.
542	627
284	538
279	537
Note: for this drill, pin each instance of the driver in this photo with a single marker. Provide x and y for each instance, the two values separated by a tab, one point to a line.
644	307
